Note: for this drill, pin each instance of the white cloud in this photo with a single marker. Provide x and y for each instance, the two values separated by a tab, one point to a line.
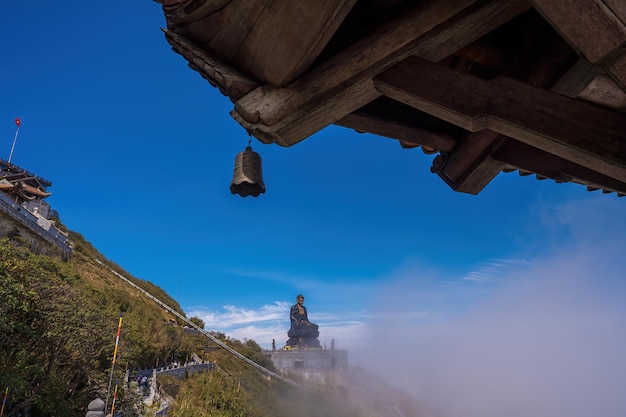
546	340
541	337
272	322
233	316
491	270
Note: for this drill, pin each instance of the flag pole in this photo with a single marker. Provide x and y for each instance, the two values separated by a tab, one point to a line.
4	400
117	340
18	123
114	397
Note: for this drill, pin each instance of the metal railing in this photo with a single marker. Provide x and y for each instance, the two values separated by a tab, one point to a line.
204	332
29	220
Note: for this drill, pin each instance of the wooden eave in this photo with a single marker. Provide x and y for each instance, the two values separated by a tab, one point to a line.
489	85
15	174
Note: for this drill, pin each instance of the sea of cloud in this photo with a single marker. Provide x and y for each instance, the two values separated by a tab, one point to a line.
542	334
543	337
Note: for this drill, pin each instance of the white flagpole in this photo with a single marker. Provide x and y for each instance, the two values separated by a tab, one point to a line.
15	138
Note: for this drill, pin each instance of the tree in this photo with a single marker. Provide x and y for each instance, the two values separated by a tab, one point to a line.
197	321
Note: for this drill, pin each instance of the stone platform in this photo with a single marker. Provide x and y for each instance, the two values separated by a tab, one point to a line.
308	359
314	365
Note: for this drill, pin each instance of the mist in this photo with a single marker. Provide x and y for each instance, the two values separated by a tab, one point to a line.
543	337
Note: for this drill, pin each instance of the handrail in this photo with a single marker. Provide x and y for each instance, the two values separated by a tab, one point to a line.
204	332
28	219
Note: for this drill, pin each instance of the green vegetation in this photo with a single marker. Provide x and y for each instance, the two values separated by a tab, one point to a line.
197	321
237	389
58	324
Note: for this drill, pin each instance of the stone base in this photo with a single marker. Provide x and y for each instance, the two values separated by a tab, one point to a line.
315	365
303	342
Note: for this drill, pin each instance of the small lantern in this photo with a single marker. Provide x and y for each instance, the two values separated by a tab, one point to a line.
247	178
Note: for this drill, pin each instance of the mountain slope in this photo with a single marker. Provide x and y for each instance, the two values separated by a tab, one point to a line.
58	322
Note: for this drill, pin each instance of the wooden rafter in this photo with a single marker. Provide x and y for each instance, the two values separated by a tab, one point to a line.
228	80
574	130
579	76
537	86
596	28
527	158
391	119
341	85
253	41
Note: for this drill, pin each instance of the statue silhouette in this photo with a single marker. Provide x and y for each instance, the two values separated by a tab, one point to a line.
302	333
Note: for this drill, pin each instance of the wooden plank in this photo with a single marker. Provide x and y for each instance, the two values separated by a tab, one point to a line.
235	23
590	26
618	7
270	40
577	78
528	158
221	30
574	130
365	58
434	29
617	71
287	36
595	28
604	91
470	167
196	11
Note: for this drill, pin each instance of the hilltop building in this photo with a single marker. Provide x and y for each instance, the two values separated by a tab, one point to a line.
22	198
312	365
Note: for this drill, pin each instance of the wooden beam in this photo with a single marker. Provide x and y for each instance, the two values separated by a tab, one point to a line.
617	71
397	130
288	36
528	158
434	29
470	167
577	78
604	91
595	28
389	118
574	130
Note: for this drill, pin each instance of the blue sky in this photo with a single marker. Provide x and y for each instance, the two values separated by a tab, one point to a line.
140	151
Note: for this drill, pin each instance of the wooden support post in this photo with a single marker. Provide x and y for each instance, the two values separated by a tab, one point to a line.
470	167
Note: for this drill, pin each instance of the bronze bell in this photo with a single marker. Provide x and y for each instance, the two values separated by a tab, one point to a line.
247	178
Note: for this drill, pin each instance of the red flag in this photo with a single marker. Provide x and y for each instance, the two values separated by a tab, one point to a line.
17	122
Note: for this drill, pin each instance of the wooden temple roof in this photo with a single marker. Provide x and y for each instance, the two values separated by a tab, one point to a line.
25	184
489	86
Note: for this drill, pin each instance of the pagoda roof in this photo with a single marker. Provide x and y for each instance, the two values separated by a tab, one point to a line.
489	86
26	184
